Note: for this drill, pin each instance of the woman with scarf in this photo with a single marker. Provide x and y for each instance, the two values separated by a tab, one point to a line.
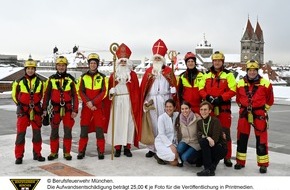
188	146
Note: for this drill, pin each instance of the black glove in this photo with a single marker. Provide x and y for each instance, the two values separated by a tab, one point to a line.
46	120
19	109
218	101
209	98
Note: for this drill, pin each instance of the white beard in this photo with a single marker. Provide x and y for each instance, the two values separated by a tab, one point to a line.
157	67
123	74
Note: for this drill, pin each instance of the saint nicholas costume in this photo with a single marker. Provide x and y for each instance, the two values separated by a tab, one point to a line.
124	122
156	87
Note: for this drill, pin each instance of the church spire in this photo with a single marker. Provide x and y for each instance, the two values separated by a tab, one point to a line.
259	32
252	43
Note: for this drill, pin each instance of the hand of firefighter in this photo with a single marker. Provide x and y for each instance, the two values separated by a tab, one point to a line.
224	136
218	101
172	90
89	104
209	98
44	113
73	114
210	141
94	108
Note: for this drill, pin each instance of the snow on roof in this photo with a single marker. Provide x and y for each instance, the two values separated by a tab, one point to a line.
204	44
229	58
283	73
78	57
241	74
203	59
6	71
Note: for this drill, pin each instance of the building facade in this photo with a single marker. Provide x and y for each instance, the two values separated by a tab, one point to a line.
8	59
252	43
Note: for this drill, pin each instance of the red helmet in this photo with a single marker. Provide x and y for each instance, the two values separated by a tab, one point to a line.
189	55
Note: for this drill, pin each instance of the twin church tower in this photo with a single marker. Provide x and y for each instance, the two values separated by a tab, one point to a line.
252	43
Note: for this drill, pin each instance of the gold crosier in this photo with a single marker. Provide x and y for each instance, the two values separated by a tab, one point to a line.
113	48
172	54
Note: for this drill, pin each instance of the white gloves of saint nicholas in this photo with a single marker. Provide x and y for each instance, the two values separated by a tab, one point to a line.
172	90
112	91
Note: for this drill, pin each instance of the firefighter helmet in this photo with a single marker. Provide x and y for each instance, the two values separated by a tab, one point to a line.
30	63
252	64
218	56
61	60
189	55
93	56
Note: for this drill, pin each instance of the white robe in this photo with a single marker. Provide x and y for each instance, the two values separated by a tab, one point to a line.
123	123
166	136
159	92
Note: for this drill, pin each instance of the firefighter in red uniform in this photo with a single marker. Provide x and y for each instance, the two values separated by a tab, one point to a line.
27	94
61	94
218	87
254	97
93	87
188	84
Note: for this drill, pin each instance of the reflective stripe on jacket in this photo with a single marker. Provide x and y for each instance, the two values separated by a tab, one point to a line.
55	86
220	84
190	92
20	93
263	96
93	87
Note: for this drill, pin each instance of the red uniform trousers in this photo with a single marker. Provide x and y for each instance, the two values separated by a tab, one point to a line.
92	121
68	123
23	121
225	118
260	129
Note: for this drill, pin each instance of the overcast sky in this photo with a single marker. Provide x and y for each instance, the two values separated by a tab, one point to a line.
36	26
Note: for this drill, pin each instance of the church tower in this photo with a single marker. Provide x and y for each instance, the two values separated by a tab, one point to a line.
204	48
252	43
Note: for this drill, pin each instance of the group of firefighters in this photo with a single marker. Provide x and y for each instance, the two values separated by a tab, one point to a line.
58	99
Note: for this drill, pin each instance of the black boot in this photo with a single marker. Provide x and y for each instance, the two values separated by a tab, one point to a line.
101	155
81	155
228	162
18	161
39	158
117	153
52	156
263	169
67	156
180	164
198	165
159	160
149	154
238	166
127	152
206	172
